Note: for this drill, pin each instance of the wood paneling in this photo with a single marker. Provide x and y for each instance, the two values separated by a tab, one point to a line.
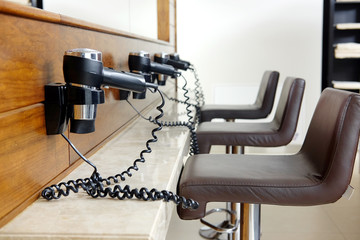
28	157
28	12
30	58
33	43
19	10
163	20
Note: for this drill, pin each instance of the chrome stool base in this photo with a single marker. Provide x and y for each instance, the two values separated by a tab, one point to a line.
246	227
226	227
209	233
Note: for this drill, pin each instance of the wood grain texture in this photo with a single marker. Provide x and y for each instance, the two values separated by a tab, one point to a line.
28	157
30	58
20	10
163	20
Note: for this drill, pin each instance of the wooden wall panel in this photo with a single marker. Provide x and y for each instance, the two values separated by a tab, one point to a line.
33	44
28	157
29	59
163	20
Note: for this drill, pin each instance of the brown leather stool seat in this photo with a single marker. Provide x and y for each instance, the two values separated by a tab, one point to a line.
278	132
261	108
318	174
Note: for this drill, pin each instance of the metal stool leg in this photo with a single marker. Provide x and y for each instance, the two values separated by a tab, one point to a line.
236	208
250	221
254	221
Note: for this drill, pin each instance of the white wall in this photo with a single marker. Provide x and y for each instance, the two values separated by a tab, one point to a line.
232	42
134	16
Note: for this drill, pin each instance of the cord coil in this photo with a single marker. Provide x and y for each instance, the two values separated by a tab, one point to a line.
96	186
194	147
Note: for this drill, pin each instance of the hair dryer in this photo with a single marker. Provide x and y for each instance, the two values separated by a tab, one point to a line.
140	62
84	75
176	57
175	61
162	59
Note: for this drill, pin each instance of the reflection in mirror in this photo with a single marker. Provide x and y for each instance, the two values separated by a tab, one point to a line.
134	16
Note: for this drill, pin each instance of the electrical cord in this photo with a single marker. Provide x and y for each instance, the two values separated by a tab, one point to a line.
96	186
199	94
178	100
194	147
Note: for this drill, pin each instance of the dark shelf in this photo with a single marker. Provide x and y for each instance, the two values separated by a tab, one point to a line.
339	69
347	3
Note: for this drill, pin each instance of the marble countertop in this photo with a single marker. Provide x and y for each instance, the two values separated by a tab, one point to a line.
79	216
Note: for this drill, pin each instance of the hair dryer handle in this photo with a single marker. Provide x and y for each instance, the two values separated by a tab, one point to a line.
125	81
178	64
163	69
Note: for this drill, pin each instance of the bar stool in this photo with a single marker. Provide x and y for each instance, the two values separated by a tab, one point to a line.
278	132
319	173
261	108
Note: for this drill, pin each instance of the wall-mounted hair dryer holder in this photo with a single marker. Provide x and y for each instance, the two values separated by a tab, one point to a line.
77	99
64	102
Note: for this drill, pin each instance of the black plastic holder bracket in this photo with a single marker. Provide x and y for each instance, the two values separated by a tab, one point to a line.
56	108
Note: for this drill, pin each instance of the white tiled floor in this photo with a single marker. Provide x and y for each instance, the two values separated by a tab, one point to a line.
337	221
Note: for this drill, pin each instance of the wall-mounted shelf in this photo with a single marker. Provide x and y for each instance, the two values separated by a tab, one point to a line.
341	42
347	50
348	26
347	1
349	85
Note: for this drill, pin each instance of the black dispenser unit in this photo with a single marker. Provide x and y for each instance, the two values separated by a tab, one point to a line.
77	99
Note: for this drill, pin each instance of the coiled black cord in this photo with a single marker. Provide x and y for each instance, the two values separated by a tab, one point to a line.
194	147
199	94
96	186
186	102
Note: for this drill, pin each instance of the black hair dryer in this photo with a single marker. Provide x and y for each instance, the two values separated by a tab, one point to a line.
181	64
161	58
77	99
140	62
171	59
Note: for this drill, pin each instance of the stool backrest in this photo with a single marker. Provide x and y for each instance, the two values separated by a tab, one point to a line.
266	94
288	108
332	138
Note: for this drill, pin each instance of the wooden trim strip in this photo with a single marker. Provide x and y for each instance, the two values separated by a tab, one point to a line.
16	9
163	20
19	10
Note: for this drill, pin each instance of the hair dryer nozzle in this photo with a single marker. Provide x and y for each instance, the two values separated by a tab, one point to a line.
125	81
152	85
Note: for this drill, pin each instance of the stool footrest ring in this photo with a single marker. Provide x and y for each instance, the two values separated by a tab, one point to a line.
230	228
